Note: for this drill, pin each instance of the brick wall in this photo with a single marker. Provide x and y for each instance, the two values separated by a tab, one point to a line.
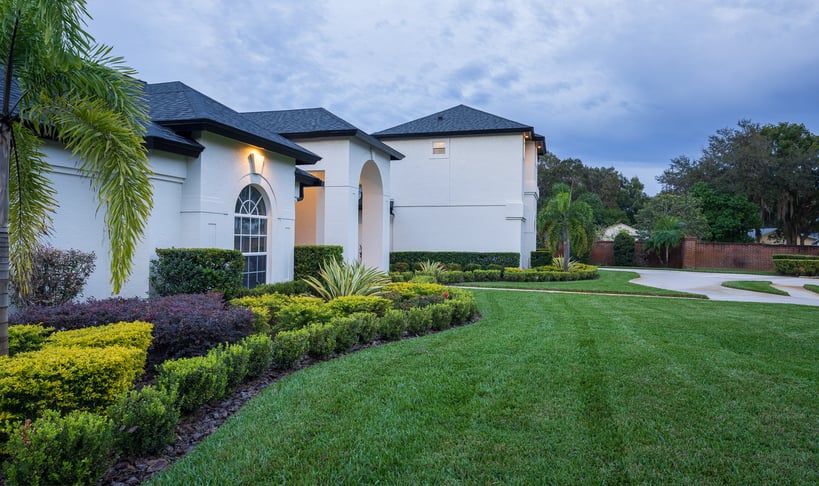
694	254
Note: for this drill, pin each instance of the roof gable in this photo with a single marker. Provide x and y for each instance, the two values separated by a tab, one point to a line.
459	120
182	108
316	123
304	121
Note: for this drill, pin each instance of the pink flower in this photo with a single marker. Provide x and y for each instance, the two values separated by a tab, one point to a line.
446	296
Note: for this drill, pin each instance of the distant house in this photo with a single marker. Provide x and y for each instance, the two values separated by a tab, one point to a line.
610	232
772	236
468	182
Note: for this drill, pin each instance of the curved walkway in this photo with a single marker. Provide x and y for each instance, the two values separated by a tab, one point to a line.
710	285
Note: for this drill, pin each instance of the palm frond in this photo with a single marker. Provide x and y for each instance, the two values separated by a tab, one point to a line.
31	204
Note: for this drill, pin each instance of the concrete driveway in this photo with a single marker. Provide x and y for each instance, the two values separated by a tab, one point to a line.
710	284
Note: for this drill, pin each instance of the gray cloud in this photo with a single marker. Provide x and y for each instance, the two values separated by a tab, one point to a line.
631	83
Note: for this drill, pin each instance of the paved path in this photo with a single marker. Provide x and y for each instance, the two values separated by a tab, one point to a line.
710	284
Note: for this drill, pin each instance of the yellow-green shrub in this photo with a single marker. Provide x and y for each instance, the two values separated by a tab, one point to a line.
145	420
289	347
135	334
302	312
322	340
408	290
346	329
67	378
349	304
441	315
368	326
260	347
196	380
27	337
267	305
75	449
419	320
392	325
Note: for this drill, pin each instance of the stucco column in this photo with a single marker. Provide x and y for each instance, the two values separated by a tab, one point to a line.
341	219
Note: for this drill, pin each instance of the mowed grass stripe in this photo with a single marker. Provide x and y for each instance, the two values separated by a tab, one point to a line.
547	388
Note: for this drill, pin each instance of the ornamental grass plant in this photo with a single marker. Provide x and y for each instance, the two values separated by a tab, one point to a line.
337	279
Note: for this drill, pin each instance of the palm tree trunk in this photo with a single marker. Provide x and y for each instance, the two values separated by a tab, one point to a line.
5	151
567	248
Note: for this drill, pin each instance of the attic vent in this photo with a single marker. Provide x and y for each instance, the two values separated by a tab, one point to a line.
440	117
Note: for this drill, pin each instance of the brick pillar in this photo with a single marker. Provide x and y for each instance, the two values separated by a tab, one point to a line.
689	252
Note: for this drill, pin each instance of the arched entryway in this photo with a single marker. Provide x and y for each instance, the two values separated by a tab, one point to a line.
371	217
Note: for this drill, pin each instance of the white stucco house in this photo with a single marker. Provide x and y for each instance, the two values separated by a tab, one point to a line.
220	181
263	182
468	182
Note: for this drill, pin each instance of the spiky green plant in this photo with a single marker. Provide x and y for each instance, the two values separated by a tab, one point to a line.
430	267
561	263
340	278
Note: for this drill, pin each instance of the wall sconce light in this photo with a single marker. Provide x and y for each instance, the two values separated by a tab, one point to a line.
256	162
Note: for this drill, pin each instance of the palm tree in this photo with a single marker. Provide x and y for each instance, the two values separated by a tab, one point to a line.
567	221
59	84
666	234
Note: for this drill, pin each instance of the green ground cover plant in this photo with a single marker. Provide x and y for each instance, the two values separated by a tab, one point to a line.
545	389
763	286
610	282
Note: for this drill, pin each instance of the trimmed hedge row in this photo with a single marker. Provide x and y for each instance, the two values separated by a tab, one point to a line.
196	271
184	325
308	259
797	267
542	275
540	258
786	256
143	422
74	370
78	448
505	259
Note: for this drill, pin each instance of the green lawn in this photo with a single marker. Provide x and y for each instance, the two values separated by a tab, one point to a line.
763	286
812	288
610	282
546	389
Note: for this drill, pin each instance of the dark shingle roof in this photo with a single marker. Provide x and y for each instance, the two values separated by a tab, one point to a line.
156	136
183	109
161	138
459	120
316	123
305	121
307	179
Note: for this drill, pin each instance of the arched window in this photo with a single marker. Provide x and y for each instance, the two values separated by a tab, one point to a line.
250	235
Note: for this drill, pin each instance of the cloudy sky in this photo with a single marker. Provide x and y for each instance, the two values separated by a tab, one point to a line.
623	83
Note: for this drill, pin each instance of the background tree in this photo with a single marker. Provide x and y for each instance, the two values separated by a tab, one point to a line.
775	166
622	198
568	222
686	209
667	233
624	248
795	177
730	216
59	84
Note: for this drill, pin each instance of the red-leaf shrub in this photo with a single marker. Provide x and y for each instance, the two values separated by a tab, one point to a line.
184	325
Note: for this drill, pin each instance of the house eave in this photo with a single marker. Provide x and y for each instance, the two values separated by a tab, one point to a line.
457	133
302	157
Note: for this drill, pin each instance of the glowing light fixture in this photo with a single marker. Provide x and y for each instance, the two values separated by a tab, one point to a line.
256	162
